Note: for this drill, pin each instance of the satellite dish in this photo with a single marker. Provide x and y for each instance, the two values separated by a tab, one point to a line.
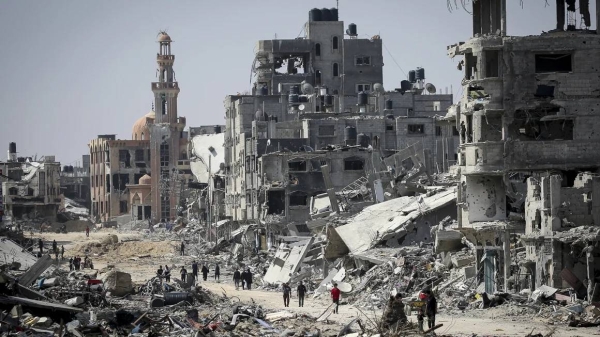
378	88
301	107
430	88
307	88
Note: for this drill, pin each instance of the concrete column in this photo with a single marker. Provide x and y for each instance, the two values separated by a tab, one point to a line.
555	185
503	17
596	199
560	14
590	275
476	17
506	258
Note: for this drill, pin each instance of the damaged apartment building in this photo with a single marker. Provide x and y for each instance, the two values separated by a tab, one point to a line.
319	121
528	158
29	188
157	152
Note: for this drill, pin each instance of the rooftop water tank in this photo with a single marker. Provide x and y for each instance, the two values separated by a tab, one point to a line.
325	14
12	147
352	30
314	15
420	73
412	76
334	14
350	135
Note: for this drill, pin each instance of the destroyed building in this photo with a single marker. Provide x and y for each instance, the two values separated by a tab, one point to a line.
528	147
158	148
30	188
75	181
318	101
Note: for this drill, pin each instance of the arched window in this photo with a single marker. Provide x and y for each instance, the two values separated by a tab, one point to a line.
318	49
142	136
336	70
335	42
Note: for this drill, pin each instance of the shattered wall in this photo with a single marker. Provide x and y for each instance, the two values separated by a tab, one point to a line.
485	198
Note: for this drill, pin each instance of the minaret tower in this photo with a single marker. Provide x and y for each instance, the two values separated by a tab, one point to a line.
165	136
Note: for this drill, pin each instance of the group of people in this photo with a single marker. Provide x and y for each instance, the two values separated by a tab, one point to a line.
164	273
244	278
75	263
183	272
287	294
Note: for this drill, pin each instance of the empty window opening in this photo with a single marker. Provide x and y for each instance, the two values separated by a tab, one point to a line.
125	157
120	181
389	127
438	130
147	212
291	65
353	164
297	166
139	155
318	49
318	77
541	125
298	199
136	178
551	63
492	63
163	99
363	87
407	164
164	154
415	129
13	191
326	130
276	202
165	208
336	70
470	66
362	60
469	128
335	42
108	182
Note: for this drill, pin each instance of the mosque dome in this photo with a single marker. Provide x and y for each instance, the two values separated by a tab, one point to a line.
141	130
145	180
164	37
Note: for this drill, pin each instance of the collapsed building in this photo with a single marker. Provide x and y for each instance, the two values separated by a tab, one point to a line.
75	181
30	188
158	149
528	148
318	124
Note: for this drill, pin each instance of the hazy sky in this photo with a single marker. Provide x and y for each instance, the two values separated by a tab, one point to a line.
72	70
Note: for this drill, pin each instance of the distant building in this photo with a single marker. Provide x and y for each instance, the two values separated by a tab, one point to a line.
30	189
158	148
75	182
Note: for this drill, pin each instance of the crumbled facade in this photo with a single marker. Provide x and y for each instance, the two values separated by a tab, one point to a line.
527	122
320	93
30	188
75	182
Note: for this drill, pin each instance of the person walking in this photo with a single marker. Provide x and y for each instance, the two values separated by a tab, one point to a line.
430	308
62	252
41	245
244	277
183	273
87	231
335	297
217	272
287	291
167	274
236	278
71	264
159	272
248	279
182	248
195	271
54	246
204	272
301	292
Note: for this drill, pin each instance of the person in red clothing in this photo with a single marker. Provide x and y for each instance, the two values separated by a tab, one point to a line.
335	296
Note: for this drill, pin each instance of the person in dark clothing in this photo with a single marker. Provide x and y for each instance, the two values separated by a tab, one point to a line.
182	248
159	272
183	273
87	231
244	277
54	246
421	318
71	264
62	252
248	279
195	270
204	272
41	245
217	272
287	292
430	309
301	292
167	274
237	276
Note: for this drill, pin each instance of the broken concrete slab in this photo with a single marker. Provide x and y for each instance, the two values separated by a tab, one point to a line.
448	241
286	262
117	283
